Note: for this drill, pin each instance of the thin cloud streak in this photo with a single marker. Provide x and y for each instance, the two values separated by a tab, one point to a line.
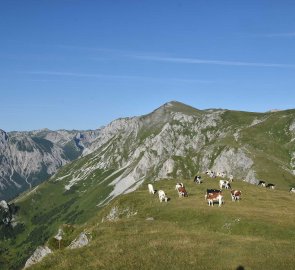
290	34
58	73
159	58
210	62
92	75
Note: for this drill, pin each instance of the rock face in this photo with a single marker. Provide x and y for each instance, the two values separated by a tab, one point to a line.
28	158
7	214
38	255
237	162
81	241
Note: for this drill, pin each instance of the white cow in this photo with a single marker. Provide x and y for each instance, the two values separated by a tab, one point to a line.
224	184
231	178
292	190
220	174
162	196
151	189
211	173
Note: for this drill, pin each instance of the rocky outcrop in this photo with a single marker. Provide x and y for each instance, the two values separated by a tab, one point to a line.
8	214
81	241
233	162
38	255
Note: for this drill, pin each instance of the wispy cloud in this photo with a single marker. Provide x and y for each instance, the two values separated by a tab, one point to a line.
211	62
63	74
109	51
160	58
286	35
110	76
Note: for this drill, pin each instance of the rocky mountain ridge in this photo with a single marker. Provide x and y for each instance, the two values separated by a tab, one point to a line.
174	140
178	141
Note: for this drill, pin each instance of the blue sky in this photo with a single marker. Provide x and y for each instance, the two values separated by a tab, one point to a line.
79	64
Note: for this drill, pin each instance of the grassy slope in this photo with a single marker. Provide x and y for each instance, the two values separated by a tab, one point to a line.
270	144
50	205
257	233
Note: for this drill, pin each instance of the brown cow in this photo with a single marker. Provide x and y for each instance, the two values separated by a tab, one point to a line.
214	195
235	195
182	192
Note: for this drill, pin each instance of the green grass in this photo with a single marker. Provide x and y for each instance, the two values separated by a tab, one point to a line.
44	210
257	233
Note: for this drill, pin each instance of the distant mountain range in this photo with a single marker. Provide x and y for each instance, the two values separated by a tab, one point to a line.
29	158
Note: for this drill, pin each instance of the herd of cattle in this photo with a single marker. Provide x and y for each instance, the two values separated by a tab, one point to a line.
212	195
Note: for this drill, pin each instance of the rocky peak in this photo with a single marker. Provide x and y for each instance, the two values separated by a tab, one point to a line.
3	138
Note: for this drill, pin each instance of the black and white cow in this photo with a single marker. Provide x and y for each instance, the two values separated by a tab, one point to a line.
262	183
224	184
198	180
270	186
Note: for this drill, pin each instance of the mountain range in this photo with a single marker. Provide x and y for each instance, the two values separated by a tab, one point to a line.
91	168
29	158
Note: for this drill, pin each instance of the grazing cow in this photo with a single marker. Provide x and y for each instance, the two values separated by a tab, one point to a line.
182	192
262	183
162	196
151	189
235	195
292	190
198	180
214	195
211	192
231	178
178	185
221	174
270	186
211	173
224	184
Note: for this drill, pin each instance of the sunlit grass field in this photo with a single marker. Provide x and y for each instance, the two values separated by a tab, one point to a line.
185	233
